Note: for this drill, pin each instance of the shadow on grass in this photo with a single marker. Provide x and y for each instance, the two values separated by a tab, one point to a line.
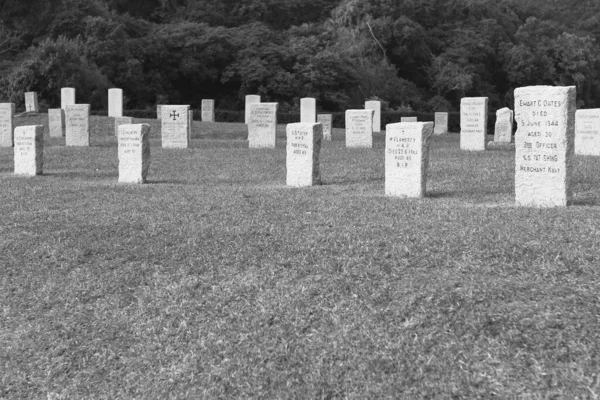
585	201
436	194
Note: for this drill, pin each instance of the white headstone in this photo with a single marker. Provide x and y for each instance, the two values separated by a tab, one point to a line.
473	123
359	128
504	125
175	126
587	132
67	97
262	125
56	122
208	110
29	150
308	110
326	121
134	152
375	105
407	158
7	124
115	102
303	148
544	145
408	119
122	121
250	99
441	123
77	118
31	102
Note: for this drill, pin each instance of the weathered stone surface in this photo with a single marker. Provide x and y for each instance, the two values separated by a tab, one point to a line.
134	152
250	99
407	158
303	149
544	145
31	102
122	121
56	122
473	123
7	124
115	102
175	126
408	119
208	110
359	128
262	125
326	121
441	123
77	118
308	110
29	150
375	105
587	132
504	125
67	97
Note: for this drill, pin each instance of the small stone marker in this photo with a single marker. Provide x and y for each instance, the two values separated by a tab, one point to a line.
208	110
122	121
134	152
67	97
250	99
407	158
375	105
29	150
326	121
359	128
473	123
7	124
158	111
587	132
77	125
308	110
544	145
408	119
441	123
262	125
56	122
115	102
175	126
504	125
302	159
31	102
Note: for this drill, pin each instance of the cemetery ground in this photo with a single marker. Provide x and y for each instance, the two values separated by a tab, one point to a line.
216	280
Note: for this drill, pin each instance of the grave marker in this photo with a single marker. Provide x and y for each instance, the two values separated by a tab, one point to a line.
122	121
544	145
56	122
67	97
503	126
441	123
115	102
208	110
375	105
250	99
308	110
359	128
587	132
31	102
302	158
262	125
134	152
29	150
7	124
77	118
473	123
326	121
175	126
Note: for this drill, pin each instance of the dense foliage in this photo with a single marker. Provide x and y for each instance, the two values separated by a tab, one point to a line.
419	54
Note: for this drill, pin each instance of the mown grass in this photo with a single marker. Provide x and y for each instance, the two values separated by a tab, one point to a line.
215	280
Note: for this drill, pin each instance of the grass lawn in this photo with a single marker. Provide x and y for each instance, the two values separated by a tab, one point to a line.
215	280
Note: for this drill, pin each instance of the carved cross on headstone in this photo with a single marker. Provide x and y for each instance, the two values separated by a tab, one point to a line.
174	115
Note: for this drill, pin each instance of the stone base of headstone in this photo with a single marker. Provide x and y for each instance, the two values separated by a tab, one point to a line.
134	152
501	146
303	149
29	150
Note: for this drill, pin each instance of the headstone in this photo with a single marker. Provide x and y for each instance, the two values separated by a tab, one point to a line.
122	121
408	119
250	99
262	125
504	125
544	145
31	102
7	124
115	102
308	110
175	126
158	111
441	123
29	150
134	152
587	132
208	110
375	105
326	121
303	148
359	128
67	97
56	122
473	123
407	158
77	118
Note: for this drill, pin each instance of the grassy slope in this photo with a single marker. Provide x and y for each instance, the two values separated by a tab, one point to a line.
217	280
